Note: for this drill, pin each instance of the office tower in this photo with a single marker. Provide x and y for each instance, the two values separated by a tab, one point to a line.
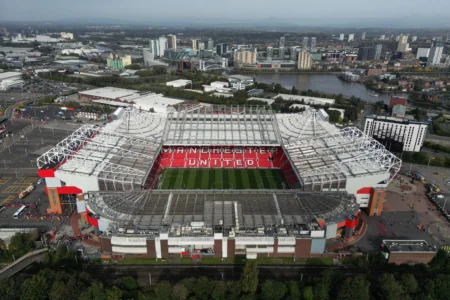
382	37
414	38
163	45
403	43
397	38
435	55
221	49
210	44
304	60
313	44
172	41
363	36
154	47
341	37
282	40
351	37
269	53
305	43
200	45
377	51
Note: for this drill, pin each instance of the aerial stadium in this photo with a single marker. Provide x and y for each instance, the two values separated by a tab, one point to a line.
218	181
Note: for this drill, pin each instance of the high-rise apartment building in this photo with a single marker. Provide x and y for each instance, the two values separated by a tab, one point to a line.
313	44
403	43
371	52
293	51
363	36
305	43
351	37
281	53
282	40
341	37
304	60
194	45
382	37
269	53
210	44
245	57
149	56
163	45
435	54
172	41
414	38
200	45
378	48
422	52
154	47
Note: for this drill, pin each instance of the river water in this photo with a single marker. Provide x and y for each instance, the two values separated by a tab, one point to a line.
325	83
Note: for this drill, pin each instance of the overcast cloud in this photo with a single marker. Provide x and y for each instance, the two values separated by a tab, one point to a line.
412	13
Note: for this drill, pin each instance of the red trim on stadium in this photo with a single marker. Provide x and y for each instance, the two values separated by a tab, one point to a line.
364	190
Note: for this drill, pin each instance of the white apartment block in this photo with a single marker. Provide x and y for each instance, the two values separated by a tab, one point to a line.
390	130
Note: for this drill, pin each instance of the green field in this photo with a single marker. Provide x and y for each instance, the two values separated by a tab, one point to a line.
220	179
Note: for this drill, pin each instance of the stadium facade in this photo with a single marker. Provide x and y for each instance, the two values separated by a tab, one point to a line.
115	174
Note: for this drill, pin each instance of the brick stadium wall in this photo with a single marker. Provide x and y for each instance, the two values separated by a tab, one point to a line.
410	258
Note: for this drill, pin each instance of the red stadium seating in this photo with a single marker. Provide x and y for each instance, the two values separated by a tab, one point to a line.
221	157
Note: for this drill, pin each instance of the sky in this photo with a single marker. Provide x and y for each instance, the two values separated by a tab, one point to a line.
342	13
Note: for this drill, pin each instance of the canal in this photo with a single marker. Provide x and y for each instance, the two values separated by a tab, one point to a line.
325	83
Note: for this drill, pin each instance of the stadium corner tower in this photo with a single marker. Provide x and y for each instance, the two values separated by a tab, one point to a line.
218	181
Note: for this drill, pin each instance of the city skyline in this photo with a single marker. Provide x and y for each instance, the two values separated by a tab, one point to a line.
203	12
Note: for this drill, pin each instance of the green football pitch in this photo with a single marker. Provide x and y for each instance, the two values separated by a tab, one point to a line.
220	179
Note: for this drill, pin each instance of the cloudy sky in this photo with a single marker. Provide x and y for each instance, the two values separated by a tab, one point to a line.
410	13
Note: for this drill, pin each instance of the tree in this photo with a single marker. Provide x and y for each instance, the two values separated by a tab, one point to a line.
308	293
179	291
95	291
10	288
128	283
294	290
249	278
442	287
20	244
273	290
409	283
163	290
389	288
114	293
354	288
36	287
133	67
294	91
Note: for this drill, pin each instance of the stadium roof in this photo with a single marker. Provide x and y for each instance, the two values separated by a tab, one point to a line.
230	209
297	127
121	153
331	158
222	125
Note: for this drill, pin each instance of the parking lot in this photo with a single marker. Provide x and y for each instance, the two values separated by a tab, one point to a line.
23	148
408	213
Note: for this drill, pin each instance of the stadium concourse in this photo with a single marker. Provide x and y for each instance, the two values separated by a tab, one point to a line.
219	181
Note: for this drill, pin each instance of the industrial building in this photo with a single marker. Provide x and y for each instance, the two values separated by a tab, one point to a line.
304	60
10	79
113	171
397	134
117	62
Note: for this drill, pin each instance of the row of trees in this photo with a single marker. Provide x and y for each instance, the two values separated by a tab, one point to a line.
51	282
